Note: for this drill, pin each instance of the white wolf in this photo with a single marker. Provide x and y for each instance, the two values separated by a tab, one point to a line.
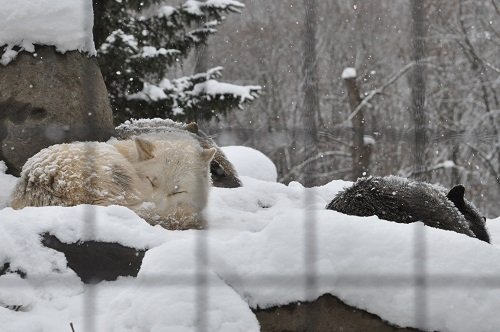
165	182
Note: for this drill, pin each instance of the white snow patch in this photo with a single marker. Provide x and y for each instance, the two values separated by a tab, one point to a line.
194	7
368	140
7	183
348	73
166	11
149	92
151	51
251	162
213	87
447	164
65	24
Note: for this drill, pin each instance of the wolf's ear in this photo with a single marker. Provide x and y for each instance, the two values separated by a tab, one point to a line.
145	149
208	154
456	195
192	127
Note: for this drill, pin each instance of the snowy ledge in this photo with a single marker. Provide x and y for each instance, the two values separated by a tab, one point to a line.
65	24
255	247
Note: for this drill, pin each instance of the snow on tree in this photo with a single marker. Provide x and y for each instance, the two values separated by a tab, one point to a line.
138	41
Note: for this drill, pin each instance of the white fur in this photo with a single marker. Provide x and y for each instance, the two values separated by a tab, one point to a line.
166	182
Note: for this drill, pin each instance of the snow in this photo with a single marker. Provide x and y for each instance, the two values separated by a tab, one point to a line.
166	11
128	39
181	86
193	7
251	162
149	92
252	255
148	124
447	164
151	51
6	182
368	140
65	24
213	87
348	73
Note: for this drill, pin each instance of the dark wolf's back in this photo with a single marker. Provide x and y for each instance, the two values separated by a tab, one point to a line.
404	201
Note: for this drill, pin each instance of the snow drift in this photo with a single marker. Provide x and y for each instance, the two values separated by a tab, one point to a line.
253	254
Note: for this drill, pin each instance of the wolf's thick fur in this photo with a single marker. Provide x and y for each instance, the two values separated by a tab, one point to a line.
166	182
401	200
222	171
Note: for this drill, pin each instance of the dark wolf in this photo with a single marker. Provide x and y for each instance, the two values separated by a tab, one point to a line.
401	200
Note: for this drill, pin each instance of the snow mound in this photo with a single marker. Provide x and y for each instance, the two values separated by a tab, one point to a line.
65	24
251	162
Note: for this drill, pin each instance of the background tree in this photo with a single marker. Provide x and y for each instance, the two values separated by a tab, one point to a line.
310	89
419	27
462	116
139	42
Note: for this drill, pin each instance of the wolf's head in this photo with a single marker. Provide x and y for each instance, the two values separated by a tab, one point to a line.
177	172
471	214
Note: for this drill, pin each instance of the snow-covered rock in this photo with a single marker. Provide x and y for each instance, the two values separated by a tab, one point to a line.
65	24
48	98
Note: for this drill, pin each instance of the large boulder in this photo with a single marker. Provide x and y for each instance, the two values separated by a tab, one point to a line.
48	98
92	261
95	261
327	313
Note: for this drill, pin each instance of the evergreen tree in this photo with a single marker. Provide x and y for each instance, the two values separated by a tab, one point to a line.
137	42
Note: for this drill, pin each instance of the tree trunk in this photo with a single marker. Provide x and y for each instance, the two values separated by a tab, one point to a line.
359	151
202	53
101	25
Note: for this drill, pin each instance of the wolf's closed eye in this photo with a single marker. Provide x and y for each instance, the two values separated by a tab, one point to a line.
177	190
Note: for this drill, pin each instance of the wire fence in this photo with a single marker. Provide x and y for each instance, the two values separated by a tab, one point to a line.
420	280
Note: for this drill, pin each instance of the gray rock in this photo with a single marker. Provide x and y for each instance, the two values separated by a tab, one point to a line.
325	314
48	98
95	261
92	261
404	201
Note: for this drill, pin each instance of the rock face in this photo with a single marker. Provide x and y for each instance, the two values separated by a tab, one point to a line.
48	98
92	261
326	314
96	261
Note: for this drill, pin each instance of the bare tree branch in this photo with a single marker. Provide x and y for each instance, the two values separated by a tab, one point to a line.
370	94
487	161
496	6
298	168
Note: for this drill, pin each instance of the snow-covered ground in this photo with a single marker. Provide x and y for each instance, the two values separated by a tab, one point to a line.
253	255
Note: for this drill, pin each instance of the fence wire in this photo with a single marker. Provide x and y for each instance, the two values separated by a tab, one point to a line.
420	281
